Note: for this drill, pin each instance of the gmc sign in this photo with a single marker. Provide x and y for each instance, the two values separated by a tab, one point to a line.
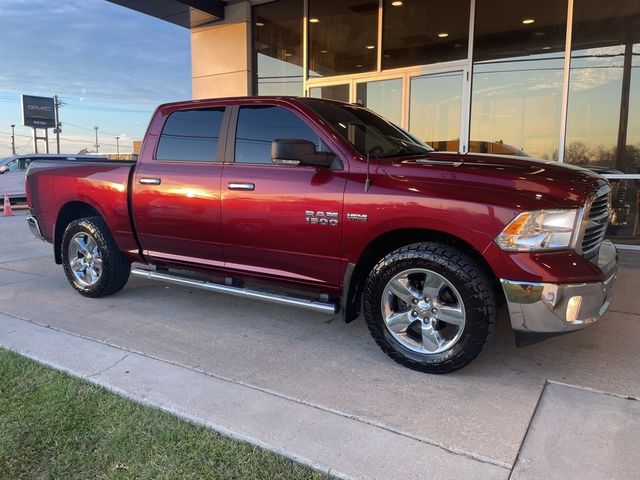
38	112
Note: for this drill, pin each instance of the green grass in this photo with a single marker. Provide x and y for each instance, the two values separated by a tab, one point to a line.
55	426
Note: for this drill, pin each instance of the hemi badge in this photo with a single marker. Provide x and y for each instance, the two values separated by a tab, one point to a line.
357	217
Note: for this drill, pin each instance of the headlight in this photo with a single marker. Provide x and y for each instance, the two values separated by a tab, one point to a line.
539	230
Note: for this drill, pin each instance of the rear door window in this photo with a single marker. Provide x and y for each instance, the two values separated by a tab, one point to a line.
191	135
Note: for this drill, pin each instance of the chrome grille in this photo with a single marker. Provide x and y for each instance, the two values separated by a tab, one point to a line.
598	211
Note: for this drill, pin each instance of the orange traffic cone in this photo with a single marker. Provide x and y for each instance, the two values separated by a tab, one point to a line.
8	212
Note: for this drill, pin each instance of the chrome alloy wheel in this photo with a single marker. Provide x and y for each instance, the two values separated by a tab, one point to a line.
423	311
85	259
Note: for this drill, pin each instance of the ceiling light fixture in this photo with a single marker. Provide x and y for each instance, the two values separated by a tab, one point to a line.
323	51
528	21
259	24
370	47
314	20
397	3
443	35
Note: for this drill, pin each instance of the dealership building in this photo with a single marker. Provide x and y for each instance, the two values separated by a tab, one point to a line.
550	79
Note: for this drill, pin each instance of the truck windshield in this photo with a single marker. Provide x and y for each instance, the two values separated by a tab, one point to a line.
368	132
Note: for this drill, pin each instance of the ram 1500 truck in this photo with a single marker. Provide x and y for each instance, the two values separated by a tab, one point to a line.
328	206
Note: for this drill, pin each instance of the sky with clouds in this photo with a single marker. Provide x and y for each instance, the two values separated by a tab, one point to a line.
110	65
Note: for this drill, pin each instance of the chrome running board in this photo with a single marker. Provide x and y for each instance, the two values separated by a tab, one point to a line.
302	302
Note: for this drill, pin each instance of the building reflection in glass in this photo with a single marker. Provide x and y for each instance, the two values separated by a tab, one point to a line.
518	56
277	48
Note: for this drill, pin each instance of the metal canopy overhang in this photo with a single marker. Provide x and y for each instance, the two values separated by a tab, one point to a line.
186	13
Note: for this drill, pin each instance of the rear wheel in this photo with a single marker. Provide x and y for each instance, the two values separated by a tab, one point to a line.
92	262
429	307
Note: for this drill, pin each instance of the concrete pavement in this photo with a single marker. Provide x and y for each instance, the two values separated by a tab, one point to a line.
332	443
578	433
481	414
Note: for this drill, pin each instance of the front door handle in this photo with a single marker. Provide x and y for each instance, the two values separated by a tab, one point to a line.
149	181
241	186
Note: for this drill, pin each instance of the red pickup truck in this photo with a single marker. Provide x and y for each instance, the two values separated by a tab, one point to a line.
327	206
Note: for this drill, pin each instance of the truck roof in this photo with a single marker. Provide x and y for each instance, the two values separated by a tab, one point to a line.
254	98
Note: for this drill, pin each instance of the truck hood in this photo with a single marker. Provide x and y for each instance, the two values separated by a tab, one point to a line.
539	181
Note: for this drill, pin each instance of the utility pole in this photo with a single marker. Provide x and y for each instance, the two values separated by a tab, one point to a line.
97	145
118	147
58	130
13	139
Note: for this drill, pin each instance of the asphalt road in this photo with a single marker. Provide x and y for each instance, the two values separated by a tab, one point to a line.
483	411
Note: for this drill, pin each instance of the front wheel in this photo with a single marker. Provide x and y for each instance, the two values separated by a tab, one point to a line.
429	307
92	262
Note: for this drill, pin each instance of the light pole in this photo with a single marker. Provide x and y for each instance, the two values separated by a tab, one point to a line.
58	130
118	147
97	145
13	139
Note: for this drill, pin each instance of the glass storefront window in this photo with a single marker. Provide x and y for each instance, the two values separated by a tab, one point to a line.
420	32
434	115
343	36
633	127
517	80
333	92
383	97
277	48
603	118
594	106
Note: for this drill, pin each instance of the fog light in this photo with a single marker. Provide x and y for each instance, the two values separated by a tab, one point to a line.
573	308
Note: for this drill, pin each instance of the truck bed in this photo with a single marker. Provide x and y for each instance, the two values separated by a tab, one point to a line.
56	185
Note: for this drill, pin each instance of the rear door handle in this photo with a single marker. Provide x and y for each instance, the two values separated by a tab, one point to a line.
149	181
241	186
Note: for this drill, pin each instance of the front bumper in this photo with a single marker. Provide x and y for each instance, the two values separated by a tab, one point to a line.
558	308
34	226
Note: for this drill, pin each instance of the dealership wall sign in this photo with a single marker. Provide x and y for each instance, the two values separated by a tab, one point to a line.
38	112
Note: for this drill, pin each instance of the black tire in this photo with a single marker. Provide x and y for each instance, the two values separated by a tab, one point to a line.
460	270
115	267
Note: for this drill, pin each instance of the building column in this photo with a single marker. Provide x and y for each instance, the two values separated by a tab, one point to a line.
221	63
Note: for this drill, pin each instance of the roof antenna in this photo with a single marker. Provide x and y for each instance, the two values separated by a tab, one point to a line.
367	182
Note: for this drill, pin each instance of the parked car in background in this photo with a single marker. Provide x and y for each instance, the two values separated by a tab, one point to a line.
14	168
18	163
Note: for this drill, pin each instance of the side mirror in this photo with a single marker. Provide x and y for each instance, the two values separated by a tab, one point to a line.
3	168
293	151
